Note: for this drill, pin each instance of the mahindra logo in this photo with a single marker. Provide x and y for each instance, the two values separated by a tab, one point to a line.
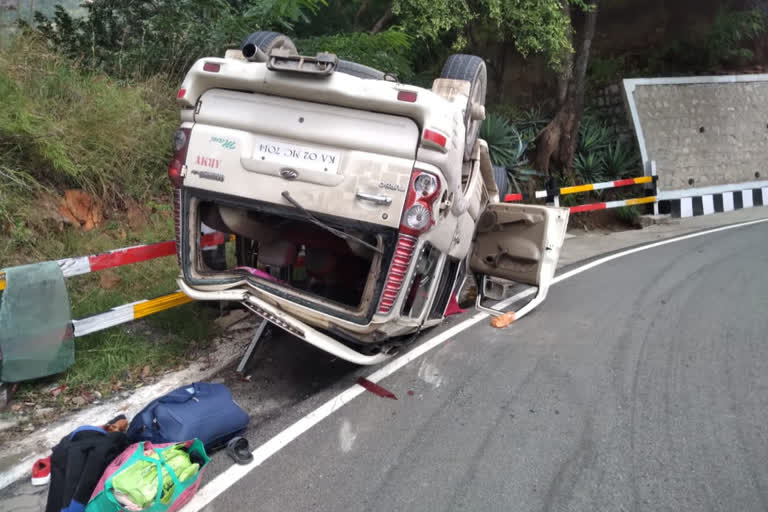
392	186
288	173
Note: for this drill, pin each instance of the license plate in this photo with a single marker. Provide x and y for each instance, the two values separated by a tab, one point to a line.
292	155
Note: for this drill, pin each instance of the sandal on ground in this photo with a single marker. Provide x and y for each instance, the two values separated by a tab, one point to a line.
237	448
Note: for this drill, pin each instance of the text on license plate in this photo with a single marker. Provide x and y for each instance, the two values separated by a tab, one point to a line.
313	158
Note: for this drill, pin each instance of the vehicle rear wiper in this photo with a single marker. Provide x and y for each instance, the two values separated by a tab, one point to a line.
314	220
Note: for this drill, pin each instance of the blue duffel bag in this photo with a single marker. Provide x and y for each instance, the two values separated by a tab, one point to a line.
201	410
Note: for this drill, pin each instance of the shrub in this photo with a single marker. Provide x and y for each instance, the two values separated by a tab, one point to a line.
142	38
387	51
594	135
62	126
627	214
620	160
504	143
507	148
589	167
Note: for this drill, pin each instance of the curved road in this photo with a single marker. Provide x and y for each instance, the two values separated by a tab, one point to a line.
641	384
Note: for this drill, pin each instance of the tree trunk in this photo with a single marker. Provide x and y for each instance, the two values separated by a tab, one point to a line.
565	76
359	13
558	141
386	18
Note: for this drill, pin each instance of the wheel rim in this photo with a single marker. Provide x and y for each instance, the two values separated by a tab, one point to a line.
473	126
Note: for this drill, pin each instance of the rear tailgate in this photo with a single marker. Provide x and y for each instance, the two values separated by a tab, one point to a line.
256	146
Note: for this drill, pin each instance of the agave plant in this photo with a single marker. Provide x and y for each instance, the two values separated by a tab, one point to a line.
589	167
504	143
507	148
620	160
594	135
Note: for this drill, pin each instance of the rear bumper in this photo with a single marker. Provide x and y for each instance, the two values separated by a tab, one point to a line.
287	322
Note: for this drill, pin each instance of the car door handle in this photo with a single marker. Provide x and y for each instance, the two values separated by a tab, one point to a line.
381	200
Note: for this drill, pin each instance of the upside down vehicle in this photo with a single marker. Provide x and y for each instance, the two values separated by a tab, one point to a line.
359	205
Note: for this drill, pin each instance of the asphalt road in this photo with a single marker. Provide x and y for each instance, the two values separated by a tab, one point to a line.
639	385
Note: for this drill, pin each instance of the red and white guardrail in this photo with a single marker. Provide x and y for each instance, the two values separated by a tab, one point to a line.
117	258
128	255
557	192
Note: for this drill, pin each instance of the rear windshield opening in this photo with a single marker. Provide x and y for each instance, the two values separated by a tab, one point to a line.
291	254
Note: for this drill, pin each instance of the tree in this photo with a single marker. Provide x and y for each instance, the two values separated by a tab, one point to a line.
558	140
135	39
529	27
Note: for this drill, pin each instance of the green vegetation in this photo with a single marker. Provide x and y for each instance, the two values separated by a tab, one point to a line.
627	214
727	42
599	155
66	127
138	39
504	142
621	160
389	50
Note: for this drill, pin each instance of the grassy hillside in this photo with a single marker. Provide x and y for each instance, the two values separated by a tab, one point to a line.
63	127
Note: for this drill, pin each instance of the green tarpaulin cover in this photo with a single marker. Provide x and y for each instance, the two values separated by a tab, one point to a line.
36	337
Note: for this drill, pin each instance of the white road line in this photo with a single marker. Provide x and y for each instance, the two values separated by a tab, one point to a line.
234	473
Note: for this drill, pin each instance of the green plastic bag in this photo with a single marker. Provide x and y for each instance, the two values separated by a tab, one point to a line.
162	482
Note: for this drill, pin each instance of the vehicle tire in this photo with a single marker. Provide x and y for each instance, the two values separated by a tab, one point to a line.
359	70
501	178
267	41
472	69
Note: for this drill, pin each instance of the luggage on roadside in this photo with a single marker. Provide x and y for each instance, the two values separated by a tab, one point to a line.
150	477
202	410
78	462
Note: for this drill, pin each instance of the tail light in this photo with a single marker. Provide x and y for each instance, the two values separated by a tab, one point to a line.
180	146
417	219
422	192
397	271
177	221
435	140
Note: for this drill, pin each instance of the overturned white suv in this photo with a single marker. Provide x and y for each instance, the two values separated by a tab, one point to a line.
358	204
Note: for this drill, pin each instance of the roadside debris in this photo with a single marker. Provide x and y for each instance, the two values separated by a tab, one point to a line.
81	209
56	391
41	472
238	449
503	320
376	389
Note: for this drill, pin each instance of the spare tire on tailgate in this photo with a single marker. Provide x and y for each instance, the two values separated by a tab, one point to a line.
359	70
266	41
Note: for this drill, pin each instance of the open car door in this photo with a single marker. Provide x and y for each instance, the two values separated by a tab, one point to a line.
519	243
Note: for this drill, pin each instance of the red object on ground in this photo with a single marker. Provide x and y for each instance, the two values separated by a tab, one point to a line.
375	388
453	307
58	389
41	471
